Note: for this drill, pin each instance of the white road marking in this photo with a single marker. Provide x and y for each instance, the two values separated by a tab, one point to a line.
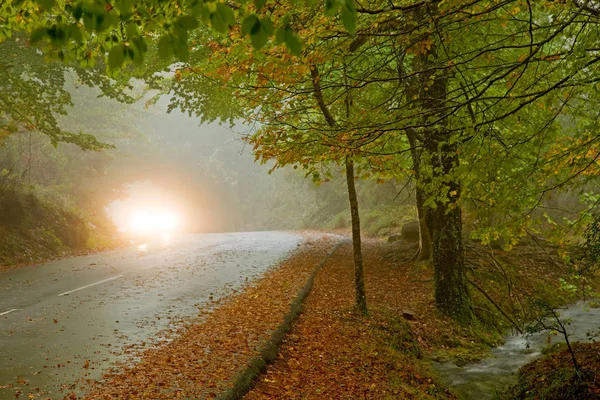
91	284
9	311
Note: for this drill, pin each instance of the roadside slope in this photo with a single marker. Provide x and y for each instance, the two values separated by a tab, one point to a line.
35	230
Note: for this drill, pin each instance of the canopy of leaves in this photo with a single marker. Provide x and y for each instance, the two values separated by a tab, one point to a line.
519	82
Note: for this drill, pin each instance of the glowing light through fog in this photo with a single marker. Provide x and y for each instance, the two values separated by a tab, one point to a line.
150	211
144	222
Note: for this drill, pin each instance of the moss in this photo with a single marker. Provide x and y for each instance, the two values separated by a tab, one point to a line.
554	378
410	374
400	337
464	344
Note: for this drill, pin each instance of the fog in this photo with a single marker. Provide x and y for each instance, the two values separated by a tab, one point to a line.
169	172
204	176
170	163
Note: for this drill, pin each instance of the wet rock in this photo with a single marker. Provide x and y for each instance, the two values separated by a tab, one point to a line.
408	315
410	231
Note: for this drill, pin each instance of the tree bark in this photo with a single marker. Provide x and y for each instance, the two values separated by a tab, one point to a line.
359	280
451	293
424	236
425	245
444	217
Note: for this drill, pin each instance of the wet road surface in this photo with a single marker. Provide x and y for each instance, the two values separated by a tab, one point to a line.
68	320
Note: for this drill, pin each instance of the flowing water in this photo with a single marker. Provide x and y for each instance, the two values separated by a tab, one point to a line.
482	380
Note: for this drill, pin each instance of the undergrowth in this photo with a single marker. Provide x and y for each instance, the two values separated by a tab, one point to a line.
554	378
33	229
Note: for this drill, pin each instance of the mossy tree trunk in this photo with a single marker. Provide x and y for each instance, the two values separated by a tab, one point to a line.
452	296
425	249
437	163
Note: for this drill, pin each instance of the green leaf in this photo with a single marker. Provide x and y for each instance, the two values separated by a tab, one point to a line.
135	54
179	33
226	13
46	4
293	42
101	22
181	51
116	56
267	26
331	7
89	22
259	4
349	19
165	47
77	11
132	30
248	24
57	34
259	39
201	10
75	34
280	35
188	22
124	5
140	43
217	23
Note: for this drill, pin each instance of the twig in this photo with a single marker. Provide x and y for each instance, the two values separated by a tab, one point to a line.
487	296
545	251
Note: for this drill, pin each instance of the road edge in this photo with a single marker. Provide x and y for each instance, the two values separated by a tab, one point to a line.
244	381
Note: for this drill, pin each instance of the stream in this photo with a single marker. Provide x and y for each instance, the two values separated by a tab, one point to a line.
480	381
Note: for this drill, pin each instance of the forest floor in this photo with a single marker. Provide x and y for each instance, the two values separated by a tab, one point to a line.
331	351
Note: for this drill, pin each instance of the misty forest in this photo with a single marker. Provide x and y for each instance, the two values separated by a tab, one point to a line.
288	199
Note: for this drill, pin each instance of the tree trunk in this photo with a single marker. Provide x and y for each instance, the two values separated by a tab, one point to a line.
451	293
424	236
444	217
359	280
425	246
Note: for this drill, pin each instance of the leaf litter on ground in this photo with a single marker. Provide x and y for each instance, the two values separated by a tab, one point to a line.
331	352
201	359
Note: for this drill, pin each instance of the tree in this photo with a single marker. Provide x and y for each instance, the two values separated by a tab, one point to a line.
33	93
472	105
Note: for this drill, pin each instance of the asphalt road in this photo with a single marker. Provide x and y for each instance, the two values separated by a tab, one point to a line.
66	321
